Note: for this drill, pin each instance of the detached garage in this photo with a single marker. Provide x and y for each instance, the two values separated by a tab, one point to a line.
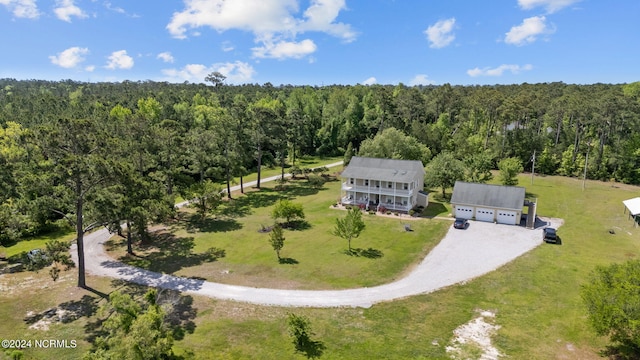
491	203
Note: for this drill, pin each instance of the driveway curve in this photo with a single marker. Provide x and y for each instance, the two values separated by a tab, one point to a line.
460	256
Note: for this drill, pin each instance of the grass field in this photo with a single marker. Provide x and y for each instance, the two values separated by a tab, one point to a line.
535	298
313	257
304	162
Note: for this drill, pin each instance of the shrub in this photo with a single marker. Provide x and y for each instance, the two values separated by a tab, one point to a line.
316	181
287	210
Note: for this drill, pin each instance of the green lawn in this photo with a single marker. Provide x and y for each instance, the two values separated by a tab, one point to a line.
536	297
37	242
305	162
315	259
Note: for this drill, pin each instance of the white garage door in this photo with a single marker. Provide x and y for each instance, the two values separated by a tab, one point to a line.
464	212
507	217
483	214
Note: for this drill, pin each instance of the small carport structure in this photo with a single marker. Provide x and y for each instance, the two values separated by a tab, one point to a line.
633	206
485	202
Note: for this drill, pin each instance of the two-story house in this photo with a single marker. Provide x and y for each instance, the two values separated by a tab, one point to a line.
390	183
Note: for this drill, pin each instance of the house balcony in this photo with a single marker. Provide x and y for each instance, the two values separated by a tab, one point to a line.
371	189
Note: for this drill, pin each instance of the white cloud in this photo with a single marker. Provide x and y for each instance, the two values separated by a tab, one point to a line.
528	31
236	72
117	9
90	68
285	49
273	22
66	9
441	34
421	79
514	69
320	16
70	57
165	56
22	8
120	60
550	5
227	46
370	81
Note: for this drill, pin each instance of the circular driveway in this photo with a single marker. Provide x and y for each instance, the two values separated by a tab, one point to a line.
460	256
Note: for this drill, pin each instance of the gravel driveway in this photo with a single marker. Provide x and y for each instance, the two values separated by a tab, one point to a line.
462	255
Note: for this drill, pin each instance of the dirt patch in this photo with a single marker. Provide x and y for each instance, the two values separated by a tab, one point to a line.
11	283
473	339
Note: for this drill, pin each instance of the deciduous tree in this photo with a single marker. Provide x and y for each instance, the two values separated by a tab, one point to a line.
349	227
443	171
393	144
509	170
288	210
612	298
276	239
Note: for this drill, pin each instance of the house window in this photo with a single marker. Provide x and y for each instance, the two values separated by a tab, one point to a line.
405	186
389	185
366	183
351	181
377	183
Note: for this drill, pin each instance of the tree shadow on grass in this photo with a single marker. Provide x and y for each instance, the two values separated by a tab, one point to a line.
369	253
288	261
195	223
298	225
67	311
167	253
434	209
299	190
311	349
620	351
180	312
243	205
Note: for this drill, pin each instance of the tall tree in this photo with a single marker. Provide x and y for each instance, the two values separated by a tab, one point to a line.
266	113
79	166
443	171
393	144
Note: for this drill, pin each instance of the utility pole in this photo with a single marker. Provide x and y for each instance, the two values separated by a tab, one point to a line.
586	163
533	167
584	177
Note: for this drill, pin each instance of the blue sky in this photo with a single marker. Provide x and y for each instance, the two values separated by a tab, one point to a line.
323	42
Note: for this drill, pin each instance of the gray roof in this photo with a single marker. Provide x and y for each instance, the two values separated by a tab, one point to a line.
383	169
492	196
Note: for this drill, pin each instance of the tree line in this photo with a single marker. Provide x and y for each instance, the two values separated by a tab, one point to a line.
94	154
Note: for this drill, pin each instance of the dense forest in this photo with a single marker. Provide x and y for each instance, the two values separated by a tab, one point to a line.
104	153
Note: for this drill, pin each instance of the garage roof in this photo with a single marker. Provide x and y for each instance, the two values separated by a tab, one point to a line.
492	196
383	169
633	205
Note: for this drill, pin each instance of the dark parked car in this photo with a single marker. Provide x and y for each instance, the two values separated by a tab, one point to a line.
549	235
460	223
